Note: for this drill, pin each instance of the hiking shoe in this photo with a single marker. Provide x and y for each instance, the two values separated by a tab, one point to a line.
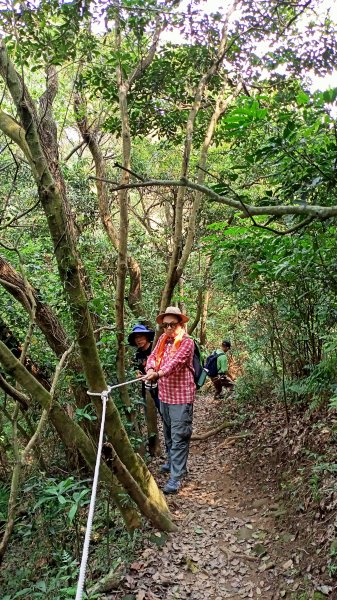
172	486
165	468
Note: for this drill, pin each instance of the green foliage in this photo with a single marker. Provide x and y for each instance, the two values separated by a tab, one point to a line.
256	385
4	497
49	534
274	297
243	117
61	582
319	385
65	496
285	288
87	413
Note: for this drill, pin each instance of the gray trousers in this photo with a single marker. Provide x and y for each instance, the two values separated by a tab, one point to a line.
177	425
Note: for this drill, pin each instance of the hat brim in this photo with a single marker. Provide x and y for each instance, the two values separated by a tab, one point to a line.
183	318
148	334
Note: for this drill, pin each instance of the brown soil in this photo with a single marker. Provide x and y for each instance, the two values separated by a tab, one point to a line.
234	538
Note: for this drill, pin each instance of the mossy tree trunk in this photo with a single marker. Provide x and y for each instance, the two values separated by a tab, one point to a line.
41	151
152	426
50	326
72	432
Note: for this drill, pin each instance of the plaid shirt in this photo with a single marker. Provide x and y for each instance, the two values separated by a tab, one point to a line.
176	386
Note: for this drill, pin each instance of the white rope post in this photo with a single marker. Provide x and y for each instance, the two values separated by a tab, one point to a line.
104	395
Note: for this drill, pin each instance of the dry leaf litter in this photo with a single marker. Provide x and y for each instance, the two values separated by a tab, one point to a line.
224	546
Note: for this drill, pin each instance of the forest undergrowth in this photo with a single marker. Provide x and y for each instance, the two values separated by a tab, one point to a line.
257	514
141	171
256	517
295	461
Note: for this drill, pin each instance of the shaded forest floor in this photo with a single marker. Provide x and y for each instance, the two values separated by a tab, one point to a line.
239	537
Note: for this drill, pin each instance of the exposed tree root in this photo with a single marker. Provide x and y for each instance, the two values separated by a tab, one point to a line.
109	582
230	441
207	434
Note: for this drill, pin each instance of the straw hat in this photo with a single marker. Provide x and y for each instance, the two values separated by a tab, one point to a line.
174	311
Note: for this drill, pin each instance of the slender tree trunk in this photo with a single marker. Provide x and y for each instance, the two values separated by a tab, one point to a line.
195	323
123	199
202	291
180	254
119	241
181	302
203	321
135	300
91	139
12	504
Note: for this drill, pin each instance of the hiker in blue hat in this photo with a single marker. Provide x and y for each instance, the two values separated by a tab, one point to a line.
142	337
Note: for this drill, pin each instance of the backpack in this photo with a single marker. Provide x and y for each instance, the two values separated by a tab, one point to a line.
198	366
211	364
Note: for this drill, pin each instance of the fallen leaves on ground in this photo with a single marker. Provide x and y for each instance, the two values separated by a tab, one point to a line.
223	548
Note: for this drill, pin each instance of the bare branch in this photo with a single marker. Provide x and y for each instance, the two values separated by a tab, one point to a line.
18	217
119	166
59	369
287	231
45	412
14	393
74	149
146	60
314	210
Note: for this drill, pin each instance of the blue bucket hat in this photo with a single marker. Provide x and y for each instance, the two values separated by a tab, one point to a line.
140	329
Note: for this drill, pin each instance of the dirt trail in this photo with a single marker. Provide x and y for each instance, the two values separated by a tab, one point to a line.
222	547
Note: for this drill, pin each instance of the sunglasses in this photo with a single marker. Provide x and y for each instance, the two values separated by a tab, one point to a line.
173	325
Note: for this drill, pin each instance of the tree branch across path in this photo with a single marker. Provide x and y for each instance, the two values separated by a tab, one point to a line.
315	211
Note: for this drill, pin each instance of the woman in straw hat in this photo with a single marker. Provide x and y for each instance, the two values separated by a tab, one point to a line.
171	363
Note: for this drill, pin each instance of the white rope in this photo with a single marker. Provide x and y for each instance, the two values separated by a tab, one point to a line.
113	387
104	395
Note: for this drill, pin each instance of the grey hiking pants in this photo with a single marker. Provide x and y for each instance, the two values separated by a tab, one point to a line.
177	425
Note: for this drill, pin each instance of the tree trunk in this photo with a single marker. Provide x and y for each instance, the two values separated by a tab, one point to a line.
203	321
195	323
91	139
123	200
152	426
135	300
49	325
180	255
73	432
160	520
51	192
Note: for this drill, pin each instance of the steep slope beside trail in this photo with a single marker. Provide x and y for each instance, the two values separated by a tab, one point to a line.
224	547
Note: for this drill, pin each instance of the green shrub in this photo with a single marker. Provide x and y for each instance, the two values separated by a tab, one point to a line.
256	385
